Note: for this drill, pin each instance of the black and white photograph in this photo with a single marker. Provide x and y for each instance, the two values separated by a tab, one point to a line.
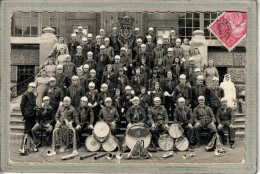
115	88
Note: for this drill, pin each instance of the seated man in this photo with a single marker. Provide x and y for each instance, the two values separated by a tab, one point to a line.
135	114
184	117
158	119
203	117
64	119
44	121
84	118
109	115
225	118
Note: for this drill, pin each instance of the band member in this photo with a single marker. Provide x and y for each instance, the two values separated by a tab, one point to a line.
144	99
135	114
75	91
142	54
192	80
157	92
225	119
126	61
90	43
137	81
117	64
84	119
214	94
182	90
145	69
190	71
28	108
79	58
137	50
90	61
184	117
109	50
177	50
109	77
203	117
85	46
93	79
102	60
127	98
72	45
69	68
122	80
158	52
114	41
62	80
158	119
109	115
97	45
152	35
44	122
92	95
198	90
137	35
54	93
64	119
103	95
86	72
82	79
149	48
168	60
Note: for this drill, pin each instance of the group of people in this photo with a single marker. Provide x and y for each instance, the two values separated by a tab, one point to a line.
148	82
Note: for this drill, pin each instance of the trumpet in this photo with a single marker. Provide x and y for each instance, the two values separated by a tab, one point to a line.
100	156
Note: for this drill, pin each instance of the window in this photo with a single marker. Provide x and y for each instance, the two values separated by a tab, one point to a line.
160	32
55	20
208	19
188	22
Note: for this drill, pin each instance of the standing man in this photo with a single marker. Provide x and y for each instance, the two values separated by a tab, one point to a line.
149	48
198	90
72	45
28	107
150	33
177	50
173	38
75	91
102	60
159	52
79	35
114	41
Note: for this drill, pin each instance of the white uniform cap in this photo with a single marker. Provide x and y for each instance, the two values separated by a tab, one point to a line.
191	58
223	99
66	98
102	47
136	98
181	99
75	77
86	66
114	28
79	47
215	78
128	87
104	85
32	84
91	84
136	29
73	35
46	98
91	71
98	36
80	27
150	28
182	76
123	48
159	42
170	49
89	53
90	35
200	77
197	70
201	98
101	29
59	66
106	39
117	56
178	40
139	40
172	31
156	99
143	45
149	36
108	99
68	56
84	39
52	79
84	98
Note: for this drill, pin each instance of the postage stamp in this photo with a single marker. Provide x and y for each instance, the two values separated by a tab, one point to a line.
230	28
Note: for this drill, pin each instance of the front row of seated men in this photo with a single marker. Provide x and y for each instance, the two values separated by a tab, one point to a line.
82	118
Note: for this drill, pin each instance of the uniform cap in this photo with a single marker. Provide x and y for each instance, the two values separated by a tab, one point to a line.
114	28
59	67
117	57
68	56
80	27
101	29
223	99
149	36
181	99
79	47
108	99
91	71
66	98
102	47
136	98
91	84
201	98
150	28
84	98
182	76
106	39
75	78
143	45
172	31
128	87
52	79
121	69
215	78
197	70
139	40
156	99
90	35
98	36
200	77
159	42
136	29
73	35
170	49
86	66
89	53
123	48
46	98
104	85
32	84
84	39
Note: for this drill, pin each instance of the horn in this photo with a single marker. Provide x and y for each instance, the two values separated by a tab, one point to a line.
51	152
100	156
75	151
110	156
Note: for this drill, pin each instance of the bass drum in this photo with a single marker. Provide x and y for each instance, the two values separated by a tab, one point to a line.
91	144
110	144
175	131
182	143
101	131
165	142
137	133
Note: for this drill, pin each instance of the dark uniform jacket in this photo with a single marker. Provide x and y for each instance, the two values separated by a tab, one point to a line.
84	115
86	48
203	114
92	96
152	82
178	52
158	53
144	101
136	51
102	96
198	90
109	79
182	91
168	61
135	114
108	114
78	59
45	117
62	81
55	94
75	92
126	60
92	64
114	42
137	82
158	114
169	85
141	55
102	62
183	115
161	71
213	96
28	104
65	113
126	100
225	115
72	46
122	82
69	69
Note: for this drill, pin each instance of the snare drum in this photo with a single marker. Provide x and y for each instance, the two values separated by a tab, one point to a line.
137	133
91	144
175	131
110	144
165	142
101	131
182	143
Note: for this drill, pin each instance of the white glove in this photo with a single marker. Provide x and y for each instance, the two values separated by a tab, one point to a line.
90	105
166	93
61	103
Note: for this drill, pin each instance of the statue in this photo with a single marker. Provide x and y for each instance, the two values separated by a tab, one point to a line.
126	31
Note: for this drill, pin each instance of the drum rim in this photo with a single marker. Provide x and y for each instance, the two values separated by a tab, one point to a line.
175	124
169	137
139	126
102	122
186	140
89	137
104	143
105	138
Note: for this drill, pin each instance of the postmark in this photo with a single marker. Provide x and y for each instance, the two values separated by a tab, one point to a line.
229	28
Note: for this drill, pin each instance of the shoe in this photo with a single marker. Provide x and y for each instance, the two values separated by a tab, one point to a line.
196	145
232	146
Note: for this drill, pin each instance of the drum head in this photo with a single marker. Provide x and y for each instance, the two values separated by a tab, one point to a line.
91	144
182	143
165	142
111	144
175	131
101	129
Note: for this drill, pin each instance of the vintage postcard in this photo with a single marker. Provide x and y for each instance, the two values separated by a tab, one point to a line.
128	86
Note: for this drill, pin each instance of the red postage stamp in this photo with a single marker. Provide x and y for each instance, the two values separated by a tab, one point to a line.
230	28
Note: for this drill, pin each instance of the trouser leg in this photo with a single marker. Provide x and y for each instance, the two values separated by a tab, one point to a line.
212	129
196	130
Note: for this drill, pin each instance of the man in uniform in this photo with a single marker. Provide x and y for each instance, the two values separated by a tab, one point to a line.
72	45
198	90
97	45
150	33
69	68
90	61
177	50
136	51
102	60
173	38
79	58
109	50
28	108
225	119
117	64
149	48
168	60
190	70
126	61
137	35
75	91
203	118
84	119
122	80
80	35
114	42
158	52
90	43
